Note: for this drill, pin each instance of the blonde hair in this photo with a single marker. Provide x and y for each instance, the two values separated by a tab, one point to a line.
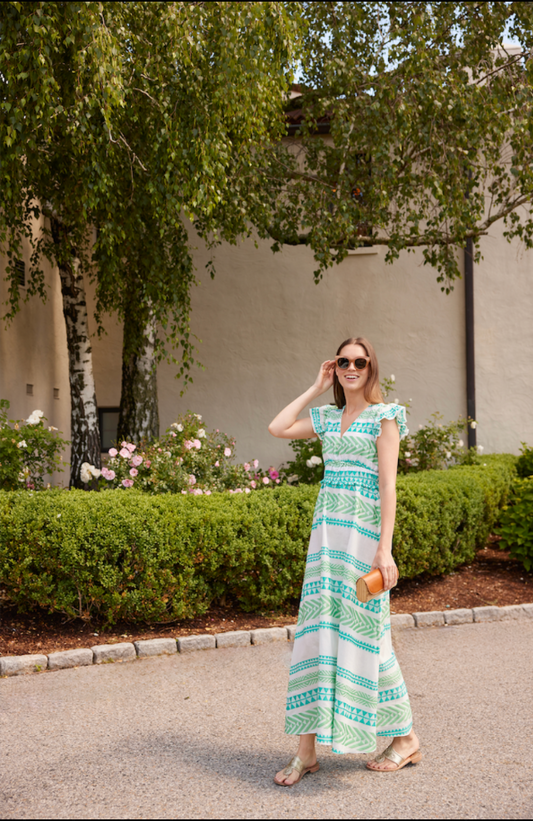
372	390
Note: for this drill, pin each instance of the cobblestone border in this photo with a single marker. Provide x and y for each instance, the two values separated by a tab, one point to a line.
128	651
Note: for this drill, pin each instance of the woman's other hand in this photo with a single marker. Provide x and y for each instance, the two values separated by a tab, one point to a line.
383	559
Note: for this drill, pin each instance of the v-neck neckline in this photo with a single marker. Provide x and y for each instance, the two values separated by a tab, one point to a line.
342	435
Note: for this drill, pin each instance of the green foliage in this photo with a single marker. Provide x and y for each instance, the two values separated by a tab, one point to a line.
430	119
434	446
524	466
187	459
516	523
156	558
28	450
307	468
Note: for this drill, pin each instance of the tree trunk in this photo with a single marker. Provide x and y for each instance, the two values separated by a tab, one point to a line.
139	412
84	425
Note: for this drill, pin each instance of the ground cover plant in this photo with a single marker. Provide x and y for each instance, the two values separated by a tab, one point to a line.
156	558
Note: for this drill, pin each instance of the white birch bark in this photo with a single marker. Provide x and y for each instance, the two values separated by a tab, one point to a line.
139	412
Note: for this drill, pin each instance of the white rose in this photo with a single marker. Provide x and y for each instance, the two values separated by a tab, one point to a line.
407	454
168	453
201	433
480	448
396	401
177	426
473	425
85	473
35	417
309	463
392	378
22	444
448	455
198	416
51	428
316	460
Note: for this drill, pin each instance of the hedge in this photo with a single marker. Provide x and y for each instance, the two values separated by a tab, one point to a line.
126	555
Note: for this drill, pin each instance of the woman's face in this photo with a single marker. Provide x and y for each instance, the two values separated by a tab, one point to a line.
353	380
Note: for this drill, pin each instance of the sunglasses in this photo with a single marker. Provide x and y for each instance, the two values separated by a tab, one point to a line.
360	362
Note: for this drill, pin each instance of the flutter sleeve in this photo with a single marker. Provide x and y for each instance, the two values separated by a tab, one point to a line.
319	420
394	412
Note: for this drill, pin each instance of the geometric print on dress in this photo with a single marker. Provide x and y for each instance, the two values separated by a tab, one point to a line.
321	519
340	555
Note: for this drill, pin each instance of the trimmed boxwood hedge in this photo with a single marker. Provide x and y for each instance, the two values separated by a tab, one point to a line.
126	555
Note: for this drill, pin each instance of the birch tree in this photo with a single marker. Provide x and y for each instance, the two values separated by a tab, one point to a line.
128	116
430	131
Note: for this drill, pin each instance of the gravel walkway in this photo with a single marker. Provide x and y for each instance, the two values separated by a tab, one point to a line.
201	735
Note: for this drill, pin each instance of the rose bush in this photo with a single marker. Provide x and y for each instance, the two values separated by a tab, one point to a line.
29	450
187	459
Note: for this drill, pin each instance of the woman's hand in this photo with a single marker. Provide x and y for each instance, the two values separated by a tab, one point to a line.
324	380
383	559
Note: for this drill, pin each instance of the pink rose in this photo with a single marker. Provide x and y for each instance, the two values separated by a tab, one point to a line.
147	463
197	491
247	490
227	452
131	447
113	452
278	481
256	463
136	460
184	492
197	444
108	474
253	484
217	464
230	491
133	471
207	492
246	466
238	490
188	444
159	450
125	453
127	482
273	473
266	480
173	434
123	444
192	479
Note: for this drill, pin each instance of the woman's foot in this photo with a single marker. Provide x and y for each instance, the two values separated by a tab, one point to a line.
404	745
307	755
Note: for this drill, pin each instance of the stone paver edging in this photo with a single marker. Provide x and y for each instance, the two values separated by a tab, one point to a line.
128	651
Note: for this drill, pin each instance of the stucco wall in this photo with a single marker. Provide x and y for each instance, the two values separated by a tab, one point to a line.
265	327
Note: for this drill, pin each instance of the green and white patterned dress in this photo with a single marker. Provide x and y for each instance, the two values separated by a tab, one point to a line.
345	683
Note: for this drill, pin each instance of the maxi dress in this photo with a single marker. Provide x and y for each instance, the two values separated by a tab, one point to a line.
345	683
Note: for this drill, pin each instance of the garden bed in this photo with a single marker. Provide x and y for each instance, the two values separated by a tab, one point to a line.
492	578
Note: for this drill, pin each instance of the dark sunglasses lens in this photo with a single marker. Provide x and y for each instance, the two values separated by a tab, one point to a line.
343	363
360	364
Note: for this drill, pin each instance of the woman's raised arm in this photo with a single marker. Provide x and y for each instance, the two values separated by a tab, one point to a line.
286	424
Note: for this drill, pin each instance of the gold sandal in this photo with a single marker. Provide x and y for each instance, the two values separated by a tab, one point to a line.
298	765
391	754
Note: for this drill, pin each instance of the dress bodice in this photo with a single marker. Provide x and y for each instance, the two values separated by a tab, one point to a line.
352	459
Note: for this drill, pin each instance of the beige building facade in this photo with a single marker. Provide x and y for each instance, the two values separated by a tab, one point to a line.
264	327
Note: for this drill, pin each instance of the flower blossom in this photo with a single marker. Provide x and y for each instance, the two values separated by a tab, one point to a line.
201	433
460	443
35	417
124	452
448	455
113	452
238	490
407	454
207	493
177	426
192	479
133	471
188	444
127	482
473	425
227	451
247	490
108	474
88	472
22	444
52	428
184	492
273	473
217	464
316	460
266	480
253	484
246	466
136	460
131	447
197	444
197	491
256	463
198	416
147	463
480	448
392	378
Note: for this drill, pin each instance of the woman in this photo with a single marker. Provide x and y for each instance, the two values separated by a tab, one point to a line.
345	685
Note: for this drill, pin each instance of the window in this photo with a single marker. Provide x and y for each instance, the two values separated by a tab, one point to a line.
20	269
29	390
108	418
56	393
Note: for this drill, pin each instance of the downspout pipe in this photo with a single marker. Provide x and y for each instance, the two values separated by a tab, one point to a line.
470	352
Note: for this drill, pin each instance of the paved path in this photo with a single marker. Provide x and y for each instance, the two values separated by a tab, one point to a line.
200	736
